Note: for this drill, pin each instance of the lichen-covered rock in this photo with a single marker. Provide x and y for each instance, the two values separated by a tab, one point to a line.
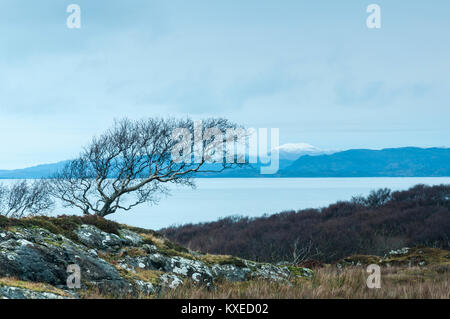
127	264
145	287
7	292
269	271
93	237
40	256
200	272
410	257
402	251
187	268
170	281
231	272
130	238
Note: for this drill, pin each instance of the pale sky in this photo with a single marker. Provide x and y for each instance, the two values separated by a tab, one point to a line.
310	68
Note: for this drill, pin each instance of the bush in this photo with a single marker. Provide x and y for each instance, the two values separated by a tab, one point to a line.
382	221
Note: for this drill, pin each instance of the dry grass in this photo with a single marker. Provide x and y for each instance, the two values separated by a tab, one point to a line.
432	282
34	286
396	282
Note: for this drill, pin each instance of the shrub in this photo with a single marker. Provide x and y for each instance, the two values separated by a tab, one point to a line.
370	225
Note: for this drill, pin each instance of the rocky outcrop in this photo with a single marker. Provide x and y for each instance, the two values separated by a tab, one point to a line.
409	257
125	263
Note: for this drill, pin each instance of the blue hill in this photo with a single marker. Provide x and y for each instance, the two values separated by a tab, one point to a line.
39	171
393	162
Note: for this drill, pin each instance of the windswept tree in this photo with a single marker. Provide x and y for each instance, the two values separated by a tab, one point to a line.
25	198
133	162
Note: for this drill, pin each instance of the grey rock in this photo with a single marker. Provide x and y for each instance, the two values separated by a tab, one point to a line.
146	288
130	238
269	271
170	281
150	249
231	272
35	254
7	292
47	260
402	251
178	266
93	237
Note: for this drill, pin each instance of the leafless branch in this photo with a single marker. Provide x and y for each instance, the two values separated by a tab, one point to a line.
25	198
130	164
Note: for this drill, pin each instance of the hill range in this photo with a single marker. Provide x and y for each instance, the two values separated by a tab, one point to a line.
390	162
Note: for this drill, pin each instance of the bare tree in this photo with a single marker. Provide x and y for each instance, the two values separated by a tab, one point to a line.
300	254
303	253
3	194
132	162
25	198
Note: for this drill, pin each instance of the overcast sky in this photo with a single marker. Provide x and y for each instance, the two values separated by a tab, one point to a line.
311	68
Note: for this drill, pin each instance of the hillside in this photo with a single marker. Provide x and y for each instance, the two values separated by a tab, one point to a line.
39	171
118	261
114	261
374	225
394	162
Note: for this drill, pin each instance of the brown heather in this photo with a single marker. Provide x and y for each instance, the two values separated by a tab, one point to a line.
373	225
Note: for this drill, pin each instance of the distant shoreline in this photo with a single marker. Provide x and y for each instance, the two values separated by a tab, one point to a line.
391	162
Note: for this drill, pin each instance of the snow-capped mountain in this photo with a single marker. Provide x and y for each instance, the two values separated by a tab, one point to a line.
293	151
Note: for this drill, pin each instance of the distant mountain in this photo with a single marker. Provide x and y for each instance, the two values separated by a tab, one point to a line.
288	154
393	162
293	151
39	171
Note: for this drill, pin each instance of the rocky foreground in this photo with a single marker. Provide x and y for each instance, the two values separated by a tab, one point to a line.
114	261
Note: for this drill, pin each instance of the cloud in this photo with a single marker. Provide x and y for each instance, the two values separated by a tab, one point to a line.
313	71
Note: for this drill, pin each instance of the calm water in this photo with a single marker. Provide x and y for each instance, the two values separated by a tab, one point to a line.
215	198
